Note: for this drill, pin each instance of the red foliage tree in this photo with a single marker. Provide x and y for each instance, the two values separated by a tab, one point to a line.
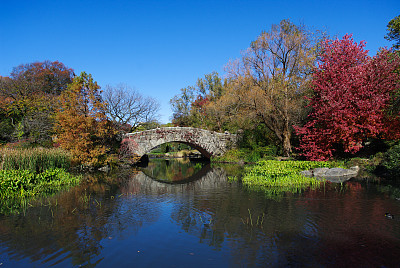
351	94
47	76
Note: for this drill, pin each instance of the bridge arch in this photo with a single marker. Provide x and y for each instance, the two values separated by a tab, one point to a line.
208	143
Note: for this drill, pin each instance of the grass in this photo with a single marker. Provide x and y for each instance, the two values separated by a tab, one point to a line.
277	177
17	187
36	159
26	174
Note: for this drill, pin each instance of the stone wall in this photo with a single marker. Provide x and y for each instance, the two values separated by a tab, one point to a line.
207	142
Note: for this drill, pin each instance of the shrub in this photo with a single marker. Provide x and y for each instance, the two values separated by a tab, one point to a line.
392	159
233	155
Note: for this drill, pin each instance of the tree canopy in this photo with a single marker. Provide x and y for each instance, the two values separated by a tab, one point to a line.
27	99
81	123
393	29
268	83
352	92
128	109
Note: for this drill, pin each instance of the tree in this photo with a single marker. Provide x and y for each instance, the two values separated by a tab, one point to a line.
127	108
192	107
393	34
27	98
182	105
268	83
81	123
351	95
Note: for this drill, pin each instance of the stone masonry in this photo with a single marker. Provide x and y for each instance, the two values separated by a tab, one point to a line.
208	143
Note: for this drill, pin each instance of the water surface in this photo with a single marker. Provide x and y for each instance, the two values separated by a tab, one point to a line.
203	220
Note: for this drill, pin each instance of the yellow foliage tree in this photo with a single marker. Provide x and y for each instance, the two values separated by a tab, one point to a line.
81	124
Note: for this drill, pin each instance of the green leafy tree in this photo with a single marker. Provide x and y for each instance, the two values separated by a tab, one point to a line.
192	107
181	107
81	123
393	34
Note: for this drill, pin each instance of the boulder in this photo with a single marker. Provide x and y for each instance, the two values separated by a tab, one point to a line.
337	175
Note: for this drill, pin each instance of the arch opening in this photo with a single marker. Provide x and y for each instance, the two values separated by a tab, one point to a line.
173	150
173	147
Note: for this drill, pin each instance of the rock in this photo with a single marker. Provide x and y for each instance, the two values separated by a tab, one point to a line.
307	173
319	172
355	169
105	169
337	175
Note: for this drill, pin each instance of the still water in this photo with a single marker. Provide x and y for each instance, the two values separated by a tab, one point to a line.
180	214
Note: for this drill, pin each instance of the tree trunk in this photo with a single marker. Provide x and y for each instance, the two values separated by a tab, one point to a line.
287	147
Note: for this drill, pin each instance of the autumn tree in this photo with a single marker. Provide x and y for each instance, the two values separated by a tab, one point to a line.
81	123
127	108
27	97
267	85
351	94
47	76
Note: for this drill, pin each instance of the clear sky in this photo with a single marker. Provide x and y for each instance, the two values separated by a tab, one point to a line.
159	47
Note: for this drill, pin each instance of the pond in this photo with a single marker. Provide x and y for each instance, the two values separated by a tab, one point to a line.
180	213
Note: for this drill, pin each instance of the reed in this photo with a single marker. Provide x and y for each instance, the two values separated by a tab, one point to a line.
36	159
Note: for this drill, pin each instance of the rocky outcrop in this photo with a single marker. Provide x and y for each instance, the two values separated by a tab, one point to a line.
332	174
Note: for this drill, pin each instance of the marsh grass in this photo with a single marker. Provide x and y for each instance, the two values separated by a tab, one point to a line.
19	187
37	159
27	174
278	177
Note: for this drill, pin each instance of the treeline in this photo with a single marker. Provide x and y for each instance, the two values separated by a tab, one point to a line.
300	92
46	104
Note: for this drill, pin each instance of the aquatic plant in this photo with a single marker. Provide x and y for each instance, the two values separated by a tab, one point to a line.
248	221
17	187
282	176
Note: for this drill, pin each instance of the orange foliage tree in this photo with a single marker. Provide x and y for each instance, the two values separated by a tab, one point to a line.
81	124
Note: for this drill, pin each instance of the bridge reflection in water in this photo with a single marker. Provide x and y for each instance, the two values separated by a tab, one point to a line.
204	179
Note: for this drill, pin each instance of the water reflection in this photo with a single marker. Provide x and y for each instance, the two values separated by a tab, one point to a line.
70	227
135	220
176	170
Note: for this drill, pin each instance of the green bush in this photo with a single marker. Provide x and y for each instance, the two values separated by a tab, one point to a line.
392	159
234	156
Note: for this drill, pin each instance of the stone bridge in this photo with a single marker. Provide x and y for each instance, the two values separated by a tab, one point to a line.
208	143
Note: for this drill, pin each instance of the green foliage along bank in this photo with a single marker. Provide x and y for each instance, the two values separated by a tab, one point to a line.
282	176
17	187
31	173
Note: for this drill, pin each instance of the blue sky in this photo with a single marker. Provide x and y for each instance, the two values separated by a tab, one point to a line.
159	47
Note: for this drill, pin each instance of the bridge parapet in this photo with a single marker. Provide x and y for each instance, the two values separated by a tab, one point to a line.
207	142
